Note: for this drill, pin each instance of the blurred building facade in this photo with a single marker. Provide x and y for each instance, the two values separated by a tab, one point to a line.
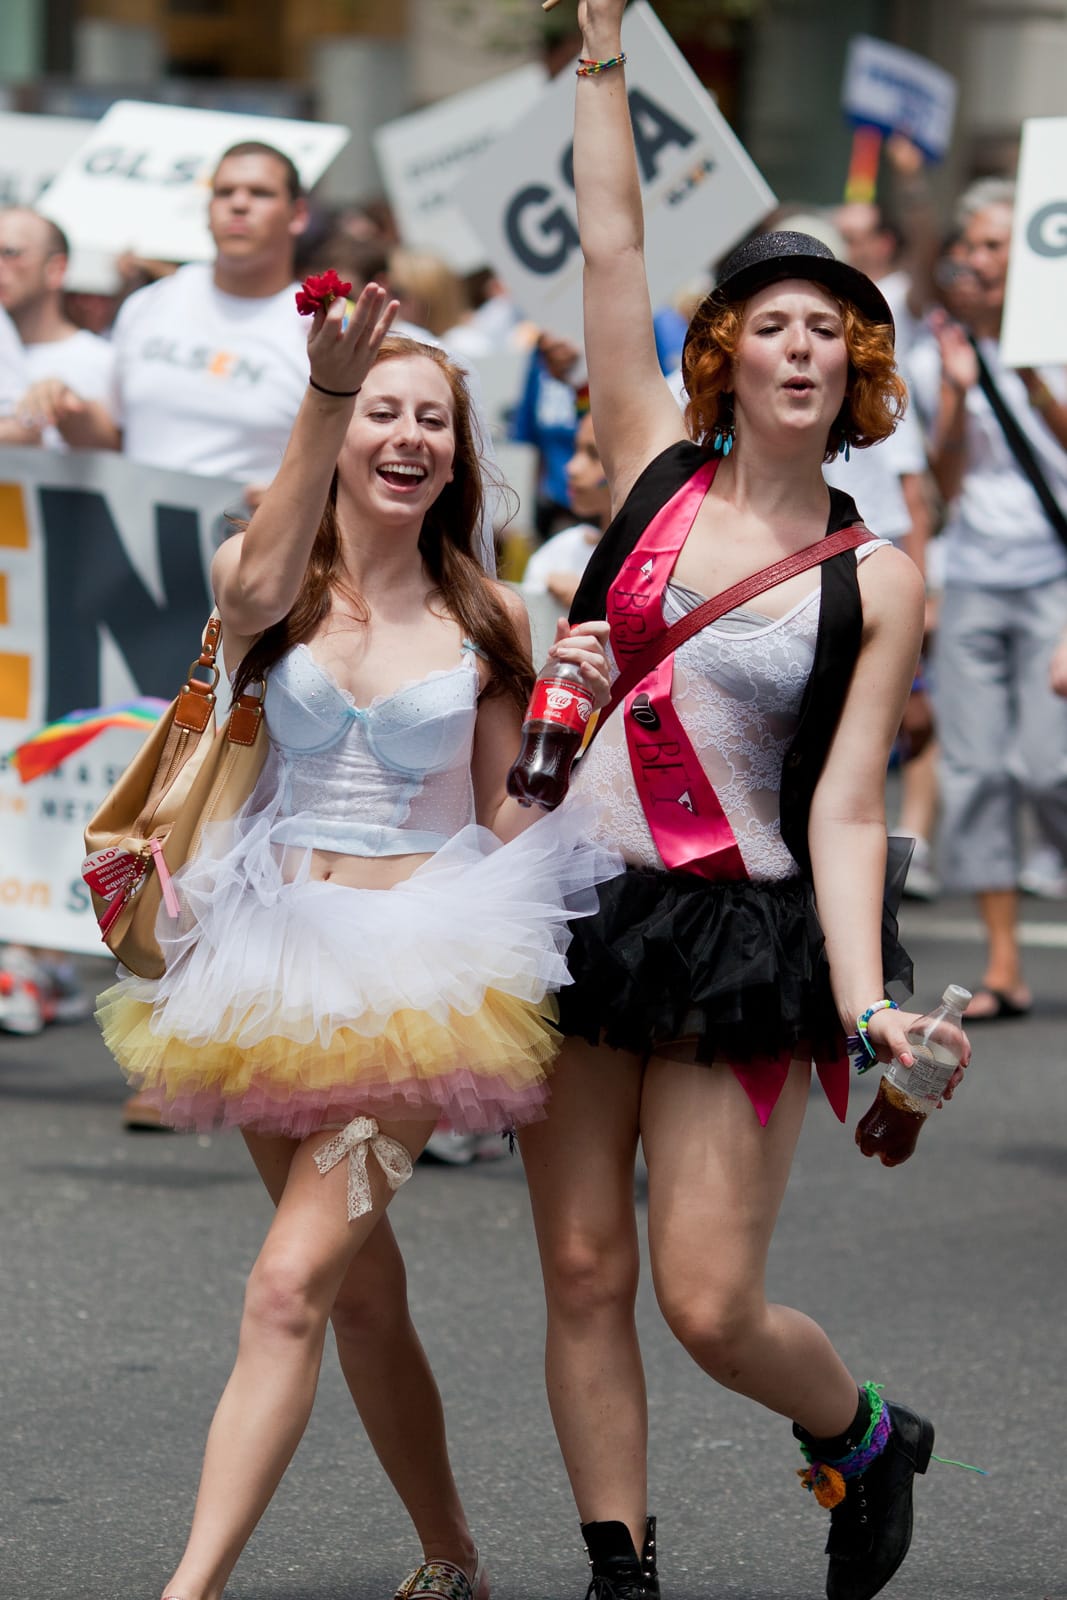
775	65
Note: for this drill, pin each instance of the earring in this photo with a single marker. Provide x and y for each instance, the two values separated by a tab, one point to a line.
847	452
724	439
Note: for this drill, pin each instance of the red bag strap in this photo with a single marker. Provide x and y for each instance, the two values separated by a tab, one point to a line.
831	544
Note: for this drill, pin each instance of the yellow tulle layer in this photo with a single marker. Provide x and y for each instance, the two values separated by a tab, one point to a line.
505	1046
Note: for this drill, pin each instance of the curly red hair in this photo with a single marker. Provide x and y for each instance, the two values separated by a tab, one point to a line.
876	396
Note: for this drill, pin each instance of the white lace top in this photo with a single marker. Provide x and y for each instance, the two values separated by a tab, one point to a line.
738	686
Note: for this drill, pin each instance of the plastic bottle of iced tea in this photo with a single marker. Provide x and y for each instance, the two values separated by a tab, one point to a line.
907	1095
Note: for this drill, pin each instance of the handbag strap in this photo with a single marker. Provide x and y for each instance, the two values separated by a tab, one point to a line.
831	544
1019	445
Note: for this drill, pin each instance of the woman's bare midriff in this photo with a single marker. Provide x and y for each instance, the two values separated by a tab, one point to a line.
360	872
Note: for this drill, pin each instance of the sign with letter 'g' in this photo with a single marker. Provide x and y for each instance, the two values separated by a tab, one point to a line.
701	191
142	180
1035	326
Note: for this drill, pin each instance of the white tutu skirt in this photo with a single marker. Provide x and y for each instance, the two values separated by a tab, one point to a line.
289	1004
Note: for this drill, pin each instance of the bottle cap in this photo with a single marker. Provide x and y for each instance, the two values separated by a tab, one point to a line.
957	997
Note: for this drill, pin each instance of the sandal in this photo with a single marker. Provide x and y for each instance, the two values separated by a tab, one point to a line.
441	1580
1003	1008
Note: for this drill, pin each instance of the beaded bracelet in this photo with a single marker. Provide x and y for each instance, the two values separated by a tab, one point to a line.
338	394
867	1055
589	69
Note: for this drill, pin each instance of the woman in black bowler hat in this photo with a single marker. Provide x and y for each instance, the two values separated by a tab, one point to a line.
743	779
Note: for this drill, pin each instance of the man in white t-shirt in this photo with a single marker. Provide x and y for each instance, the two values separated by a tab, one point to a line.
33	263
1003	731
211	362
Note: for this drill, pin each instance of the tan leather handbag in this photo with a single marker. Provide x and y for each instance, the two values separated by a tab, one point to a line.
185	775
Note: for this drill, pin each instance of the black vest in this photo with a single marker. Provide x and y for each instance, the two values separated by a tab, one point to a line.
837	642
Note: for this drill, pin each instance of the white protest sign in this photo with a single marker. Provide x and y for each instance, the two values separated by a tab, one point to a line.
141	180
33	149
900	92
423	156
701	190
1035	327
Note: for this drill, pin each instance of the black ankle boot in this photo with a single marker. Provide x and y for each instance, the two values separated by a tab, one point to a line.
870	1529
618	1572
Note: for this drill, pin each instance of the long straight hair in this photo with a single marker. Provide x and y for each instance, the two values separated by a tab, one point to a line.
447	544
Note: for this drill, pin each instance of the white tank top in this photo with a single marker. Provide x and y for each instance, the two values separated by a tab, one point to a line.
738	686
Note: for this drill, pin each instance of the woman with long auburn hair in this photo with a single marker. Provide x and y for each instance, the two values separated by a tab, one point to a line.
742	776
373	942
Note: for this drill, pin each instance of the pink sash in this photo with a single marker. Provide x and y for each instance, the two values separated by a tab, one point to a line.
684	815
683	812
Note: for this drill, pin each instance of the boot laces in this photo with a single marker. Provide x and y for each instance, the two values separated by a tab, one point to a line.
617	1588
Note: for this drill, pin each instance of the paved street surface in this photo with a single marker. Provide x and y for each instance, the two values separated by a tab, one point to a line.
123	1260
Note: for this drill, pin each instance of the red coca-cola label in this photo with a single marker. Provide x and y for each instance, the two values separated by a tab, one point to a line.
561	700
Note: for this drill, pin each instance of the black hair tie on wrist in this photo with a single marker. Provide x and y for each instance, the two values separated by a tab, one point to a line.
336	394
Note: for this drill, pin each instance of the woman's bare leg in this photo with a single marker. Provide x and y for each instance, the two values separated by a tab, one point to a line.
715	1186
580	1170
265	1406
397	1397
389	1378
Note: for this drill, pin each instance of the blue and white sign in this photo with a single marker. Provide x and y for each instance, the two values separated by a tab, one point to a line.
900	92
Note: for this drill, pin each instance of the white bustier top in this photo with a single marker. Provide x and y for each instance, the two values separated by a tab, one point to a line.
389	778
738	685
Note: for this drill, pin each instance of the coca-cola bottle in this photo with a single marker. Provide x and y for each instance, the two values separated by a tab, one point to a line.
907	1095
552	735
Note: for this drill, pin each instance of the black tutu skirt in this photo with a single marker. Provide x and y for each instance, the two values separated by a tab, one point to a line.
739	968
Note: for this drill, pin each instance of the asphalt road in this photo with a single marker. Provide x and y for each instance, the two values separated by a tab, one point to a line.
123	1257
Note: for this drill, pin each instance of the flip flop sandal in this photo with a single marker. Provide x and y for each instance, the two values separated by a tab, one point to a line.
1004	1009
440	1580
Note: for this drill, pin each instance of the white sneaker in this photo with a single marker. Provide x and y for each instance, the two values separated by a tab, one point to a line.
454	1149
922	881
1044	874
21	1010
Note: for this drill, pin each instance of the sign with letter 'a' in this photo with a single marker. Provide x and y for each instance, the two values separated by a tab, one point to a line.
702	192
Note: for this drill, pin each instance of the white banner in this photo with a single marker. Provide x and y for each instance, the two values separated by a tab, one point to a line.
900	92
701	190
141	181
423	156
104	593
1035	323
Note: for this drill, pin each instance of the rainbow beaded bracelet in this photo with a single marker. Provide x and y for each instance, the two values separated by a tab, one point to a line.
589	69
858	1042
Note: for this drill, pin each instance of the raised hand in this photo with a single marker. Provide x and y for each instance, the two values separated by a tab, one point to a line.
345	339
959	363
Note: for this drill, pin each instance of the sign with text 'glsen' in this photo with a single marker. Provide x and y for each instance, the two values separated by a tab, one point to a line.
900	92
701	190
33	149
1035	324
104	568
141	181
422	157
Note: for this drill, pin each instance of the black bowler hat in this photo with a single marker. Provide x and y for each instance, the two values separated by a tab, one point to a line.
772	257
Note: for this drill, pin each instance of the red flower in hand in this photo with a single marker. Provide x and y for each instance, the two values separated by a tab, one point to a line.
319	290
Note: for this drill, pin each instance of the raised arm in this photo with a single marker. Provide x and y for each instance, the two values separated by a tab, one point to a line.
258	575
634	412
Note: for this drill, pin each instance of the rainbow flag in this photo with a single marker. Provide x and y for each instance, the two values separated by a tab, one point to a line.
59	740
